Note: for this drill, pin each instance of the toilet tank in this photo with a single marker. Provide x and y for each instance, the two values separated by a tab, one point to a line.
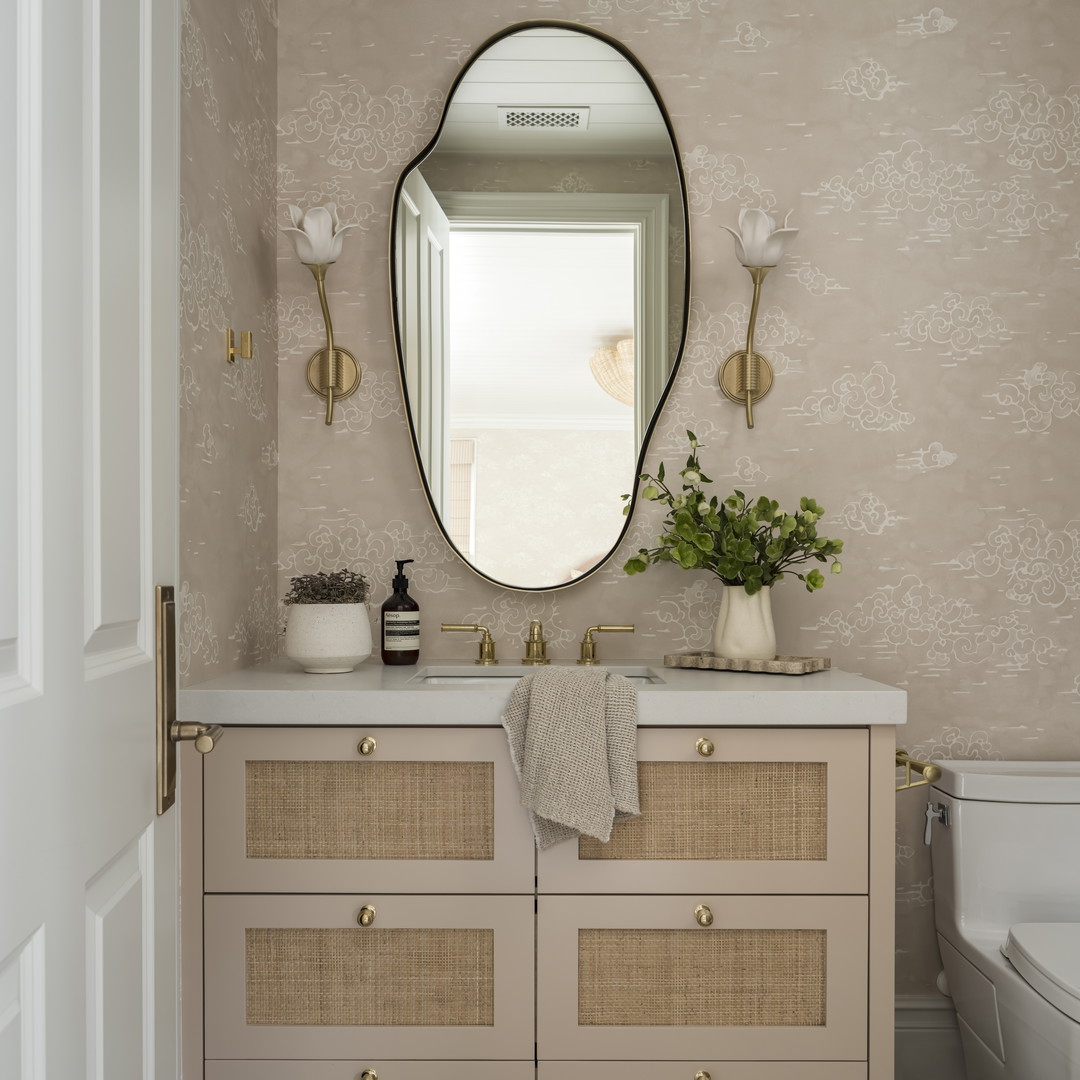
1011	852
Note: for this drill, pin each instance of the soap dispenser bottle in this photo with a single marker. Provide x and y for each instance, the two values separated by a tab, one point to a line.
400	622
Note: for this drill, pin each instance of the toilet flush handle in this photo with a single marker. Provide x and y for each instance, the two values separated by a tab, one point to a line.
940	814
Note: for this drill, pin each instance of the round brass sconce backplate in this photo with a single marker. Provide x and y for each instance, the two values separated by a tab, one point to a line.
350	373
733	379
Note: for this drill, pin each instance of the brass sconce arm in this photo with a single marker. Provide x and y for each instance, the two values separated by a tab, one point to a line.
750	361
332	372
746	376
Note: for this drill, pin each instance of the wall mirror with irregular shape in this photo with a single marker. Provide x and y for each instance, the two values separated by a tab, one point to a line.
539	274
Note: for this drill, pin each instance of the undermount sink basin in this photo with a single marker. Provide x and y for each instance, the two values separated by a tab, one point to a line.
504	674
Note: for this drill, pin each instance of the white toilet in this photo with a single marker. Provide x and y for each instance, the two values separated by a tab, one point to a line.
1006	855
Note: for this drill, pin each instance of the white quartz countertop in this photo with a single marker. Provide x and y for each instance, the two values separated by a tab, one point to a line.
279	692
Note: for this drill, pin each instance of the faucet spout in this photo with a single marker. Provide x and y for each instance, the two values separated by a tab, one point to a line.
535	645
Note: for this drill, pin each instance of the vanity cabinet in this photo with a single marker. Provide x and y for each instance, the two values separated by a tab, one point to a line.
741	927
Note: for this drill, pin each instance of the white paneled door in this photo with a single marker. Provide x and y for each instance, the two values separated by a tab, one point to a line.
88	332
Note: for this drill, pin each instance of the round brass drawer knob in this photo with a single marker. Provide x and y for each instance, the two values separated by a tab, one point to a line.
701	1074
704	747
366	747
371	1074
703	915
366	915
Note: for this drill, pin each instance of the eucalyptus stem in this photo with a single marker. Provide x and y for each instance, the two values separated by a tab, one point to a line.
740	541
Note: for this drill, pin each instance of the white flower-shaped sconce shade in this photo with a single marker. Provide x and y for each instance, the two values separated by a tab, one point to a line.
746	376
318	237
759	242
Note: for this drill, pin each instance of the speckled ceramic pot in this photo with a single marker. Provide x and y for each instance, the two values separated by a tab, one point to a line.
744	627
328	638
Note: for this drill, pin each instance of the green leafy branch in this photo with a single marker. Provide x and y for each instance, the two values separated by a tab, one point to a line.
748	543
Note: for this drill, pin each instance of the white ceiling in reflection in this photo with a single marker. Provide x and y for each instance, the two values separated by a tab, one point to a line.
553	67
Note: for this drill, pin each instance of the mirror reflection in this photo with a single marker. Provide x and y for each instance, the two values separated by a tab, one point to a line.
540	291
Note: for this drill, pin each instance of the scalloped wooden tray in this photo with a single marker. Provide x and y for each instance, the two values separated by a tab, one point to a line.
779	665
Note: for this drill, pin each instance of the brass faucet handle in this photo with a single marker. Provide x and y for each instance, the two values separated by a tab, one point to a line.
486	643
588	643
535	645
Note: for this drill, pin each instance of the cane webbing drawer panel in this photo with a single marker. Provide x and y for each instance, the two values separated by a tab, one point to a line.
370	977
685	978
369	809
746	810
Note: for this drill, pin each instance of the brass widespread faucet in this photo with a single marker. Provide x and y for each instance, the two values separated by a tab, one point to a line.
535	645
487	642
588	643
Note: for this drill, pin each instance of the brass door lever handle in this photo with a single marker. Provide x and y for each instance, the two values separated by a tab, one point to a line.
204	736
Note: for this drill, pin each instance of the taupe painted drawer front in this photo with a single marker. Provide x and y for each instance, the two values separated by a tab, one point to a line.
772	978
682	1070
430	810
387	1070
433	977
769	811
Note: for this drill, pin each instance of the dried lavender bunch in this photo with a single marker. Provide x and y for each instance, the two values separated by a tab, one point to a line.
340	587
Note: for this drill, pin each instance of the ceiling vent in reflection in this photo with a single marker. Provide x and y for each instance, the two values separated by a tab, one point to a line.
537	117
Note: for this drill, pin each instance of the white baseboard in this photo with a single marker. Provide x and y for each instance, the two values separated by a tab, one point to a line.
927	1038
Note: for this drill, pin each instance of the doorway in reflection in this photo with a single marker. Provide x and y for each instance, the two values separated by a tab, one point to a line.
539	451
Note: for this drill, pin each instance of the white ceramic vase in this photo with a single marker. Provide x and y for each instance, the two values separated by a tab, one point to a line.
744	627
328	638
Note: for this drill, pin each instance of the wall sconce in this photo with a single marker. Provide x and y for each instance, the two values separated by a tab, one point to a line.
612	367
746	376
333	372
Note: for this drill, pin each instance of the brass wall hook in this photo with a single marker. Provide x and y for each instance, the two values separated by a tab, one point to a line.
232	350
746	376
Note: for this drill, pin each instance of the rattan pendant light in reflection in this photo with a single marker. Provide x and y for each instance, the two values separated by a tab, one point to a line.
612	367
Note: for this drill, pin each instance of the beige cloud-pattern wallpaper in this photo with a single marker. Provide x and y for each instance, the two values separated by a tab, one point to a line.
227	599
924	331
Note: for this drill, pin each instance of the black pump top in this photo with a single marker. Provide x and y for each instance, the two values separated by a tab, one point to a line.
401	582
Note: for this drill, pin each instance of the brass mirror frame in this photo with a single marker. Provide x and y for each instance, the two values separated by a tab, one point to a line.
619	47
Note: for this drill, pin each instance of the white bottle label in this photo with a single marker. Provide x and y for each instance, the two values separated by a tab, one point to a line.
401	631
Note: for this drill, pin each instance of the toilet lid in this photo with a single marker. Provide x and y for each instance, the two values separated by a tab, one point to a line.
1047	955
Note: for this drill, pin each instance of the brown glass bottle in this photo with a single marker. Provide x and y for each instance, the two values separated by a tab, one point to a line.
400	622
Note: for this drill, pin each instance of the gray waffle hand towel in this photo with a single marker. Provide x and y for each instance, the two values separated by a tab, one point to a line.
573	740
